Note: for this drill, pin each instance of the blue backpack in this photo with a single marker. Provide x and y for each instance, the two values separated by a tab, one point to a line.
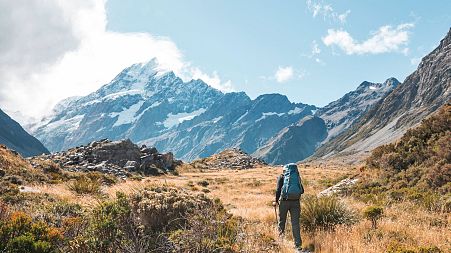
292	187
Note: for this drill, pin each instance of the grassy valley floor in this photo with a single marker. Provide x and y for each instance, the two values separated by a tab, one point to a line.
249	194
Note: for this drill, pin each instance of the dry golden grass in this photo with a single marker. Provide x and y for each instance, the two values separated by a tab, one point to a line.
249	194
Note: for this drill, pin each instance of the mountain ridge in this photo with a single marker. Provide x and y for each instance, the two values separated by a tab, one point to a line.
421	94
15	137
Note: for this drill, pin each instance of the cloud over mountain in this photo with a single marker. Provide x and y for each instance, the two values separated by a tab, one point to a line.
53	49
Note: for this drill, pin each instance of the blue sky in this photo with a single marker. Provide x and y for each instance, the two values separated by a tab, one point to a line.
310	50
247	42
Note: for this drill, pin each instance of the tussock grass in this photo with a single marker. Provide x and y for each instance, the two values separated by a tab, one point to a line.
85	185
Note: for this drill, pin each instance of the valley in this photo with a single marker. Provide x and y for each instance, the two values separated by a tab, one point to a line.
163	159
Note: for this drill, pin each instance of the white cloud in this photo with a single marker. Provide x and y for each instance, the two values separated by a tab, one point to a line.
284	74
213	80
326	11
385	39
53	49
342	17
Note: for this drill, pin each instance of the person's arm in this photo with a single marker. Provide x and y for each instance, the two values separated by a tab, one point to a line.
279	187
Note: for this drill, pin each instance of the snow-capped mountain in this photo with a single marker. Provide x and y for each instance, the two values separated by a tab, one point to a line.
339	115
157	108
139	103
300	140
232	121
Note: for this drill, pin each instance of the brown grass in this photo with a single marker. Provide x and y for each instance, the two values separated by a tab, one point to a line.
249	194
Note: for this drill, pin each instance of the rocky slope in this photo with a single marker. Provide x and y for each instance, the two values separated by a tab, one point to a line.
421	94
339	115
15	137
300	140
294	143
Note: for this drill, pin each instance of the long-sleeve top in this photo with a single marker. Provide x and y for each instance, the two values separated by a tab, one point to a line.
280	184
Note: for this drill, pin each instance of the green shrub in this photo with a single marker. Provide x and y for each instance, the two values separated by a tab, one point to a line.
420	160
324	213
373	213
19	234
85	185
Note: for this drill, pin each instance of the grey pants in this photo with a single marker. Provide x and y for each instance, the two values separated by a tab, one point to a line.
294	207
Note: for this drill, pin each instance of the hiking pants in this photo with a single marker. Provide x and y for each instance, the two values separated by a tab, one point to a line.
294	207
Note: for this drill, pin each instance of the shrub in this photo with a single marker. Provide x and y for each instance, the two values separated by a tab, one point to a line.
163	208
85	185
420	159
324	213
203	183
373	213
148	221
18	233
210	229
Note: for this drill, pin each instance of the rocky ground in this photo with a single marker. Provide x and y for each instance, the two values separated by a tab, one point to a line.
119	158
229	159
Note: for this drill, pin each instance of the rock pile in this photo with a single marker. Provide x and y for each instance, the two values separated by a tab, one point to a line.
113	157
229	159
340	188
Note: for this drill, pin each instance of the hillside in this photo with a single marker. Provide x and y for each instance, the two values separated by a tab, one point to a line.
15	137
294	143
421	159
421	93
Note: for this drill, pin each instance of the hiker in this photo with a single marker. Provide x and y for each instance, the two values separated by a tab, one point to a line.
288	194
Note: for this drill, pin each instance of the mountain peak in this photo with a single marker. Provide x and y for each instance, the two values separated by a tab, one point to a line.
392	82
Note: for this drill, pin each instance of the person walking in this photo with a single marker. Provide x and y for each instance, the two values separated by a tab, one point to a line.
288	193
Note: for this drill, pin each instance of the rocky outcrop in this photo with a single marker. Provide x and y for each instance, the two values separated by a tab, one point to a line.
119	158
421	94
229	159
341	188
15	137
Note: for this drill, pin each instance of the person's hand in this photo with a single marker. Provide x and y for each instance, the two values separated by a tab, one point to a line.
274	203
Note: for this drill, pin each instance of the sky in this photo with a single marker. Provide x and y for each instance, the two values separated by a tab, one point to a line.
312	51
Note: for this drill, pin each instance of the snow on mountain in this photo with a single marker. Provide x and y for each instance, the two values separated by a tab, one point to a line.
342	113
232	121
140	102
300	140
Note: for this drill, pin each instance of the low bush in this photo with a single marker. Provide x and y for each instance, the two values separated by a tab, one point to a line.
203	183
85	185
20	234
324	213
210	229
373	214
163	208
